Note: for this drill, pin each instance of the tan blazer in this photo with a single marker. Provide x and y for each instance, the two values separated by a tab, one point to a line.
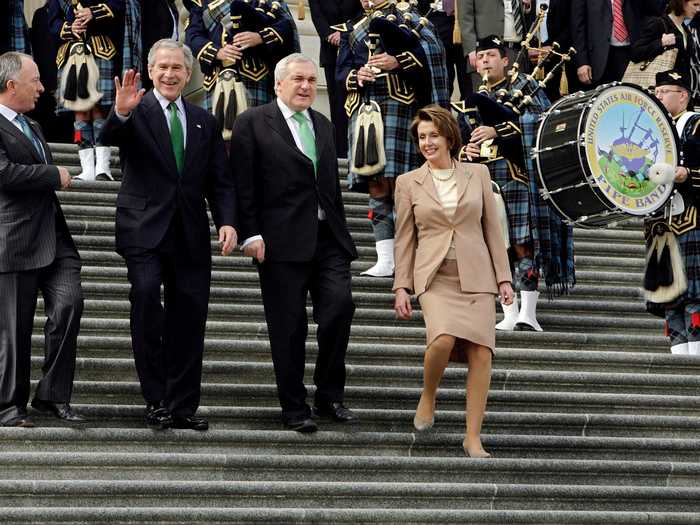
423	232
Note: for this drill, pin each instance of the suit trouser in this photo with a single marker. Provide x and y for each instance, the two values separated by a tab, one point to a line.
168	337
63	304
285	286
336	101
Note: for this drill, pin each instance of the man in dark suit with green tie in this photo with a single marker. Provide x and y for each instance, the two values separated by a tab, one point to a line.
173	164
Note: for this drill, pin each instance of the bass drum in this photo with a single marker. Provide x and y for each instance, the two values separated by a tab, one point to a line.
593	153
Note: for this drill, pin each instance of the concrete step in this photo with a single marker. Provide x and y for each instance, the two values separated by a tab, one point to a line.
339	442
340	516
383	420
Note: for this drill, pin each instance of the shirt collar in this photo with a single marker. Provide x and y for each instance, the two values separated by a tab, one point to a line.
288	113
8	113
164	102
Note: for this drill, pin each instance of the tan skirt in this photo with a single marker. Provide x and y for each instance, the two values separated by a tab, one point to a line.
470	317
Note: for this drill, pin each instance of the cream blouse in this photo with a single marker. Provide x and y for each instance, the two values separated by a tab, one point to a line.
447	193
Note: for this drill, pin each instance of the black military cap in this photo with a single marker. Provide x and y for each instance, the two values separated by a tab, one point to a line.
490	42
673	78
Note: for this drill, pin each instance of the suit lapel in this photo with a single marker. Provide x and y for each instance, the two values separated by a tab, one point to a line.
425	181
10	128
322	139
40	136
159	128
464	176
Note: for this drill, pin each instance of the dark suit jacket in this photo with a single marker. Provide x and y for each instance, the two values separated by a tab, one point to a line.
592	27
277	191
559	23
152	190
29	210
326	13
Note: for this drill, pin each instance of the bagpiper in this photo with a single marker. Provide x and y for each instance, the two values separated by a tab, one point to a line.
540	244
672	276
238	43
392	63
90	32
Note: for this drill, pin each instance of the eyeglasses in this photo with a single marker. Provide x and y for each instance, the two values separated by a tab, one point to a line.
666	91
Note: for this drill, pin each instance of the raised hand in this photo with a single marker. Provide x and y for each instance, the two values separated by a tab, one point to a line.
128	95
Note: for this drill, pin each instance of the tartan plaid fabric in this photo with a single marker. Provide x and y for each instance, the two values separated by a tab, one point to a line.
19	32
131	49
689	244
516	196
553	241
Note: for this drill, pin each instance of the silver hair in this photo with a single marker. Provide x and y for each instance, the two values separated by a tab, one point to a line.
10	66
169	43
283	65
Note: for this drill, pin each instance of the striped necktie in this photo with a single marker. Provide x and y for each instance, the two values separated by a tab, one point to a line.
27	130
620	32
518	24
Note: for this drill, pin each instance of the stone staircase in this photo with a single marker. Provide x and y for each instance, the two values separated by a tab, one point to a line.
592	421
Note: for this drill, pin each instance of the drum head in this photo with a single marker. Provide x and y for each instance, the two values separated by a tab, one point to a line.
626	132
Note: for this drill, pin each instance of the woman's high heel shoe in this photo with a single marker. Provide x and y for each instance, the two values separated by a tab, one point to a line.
421	424
477	454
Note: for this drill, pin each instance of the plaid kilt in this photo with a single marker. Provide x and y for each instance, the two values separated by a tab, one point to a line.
516	196
259	93
401	153
689	244
105	84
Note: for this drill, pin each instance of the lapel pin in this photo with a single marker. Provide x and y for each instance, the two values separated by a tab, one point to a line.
199	126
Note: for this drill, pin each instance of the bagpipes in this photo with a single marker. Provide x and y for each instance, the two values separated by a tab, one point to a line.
79	83
394	33
509	104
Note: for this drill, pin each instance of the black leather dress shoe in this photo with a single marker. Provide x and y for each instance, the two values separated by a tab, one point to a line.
305	425
62	411
158	417
190	423
22	421
337	412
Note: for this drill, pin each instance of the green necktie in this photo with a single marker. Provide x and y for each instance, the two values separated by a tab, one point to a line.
308	142
177	137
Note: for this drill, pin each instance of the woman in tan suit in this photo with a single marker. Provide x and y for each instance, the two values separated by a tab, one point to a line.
450	252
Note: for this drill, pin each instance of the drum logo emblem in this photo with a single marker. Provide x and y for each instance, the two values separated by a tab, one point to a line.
626	133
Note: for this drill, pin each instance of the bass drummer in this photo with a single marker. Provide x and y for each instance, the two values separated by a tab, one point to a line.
540	243
672	276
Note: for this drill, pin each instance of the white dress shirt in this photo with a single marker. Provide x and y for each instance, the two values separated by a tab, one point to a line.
10	115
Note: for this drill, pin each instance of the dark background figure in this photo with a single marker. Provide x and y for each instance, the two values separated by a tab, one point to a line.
444	22
292	221
602	41
325	14
159	19
173	163
669	31
36	253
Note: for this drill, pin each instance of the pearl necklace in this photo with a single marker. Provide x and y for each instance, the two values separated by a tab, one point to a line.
443	179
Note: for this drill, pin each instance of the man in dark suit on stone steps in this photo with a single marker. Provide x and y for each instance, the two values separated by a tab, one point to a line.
172	158
293	222
36	253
